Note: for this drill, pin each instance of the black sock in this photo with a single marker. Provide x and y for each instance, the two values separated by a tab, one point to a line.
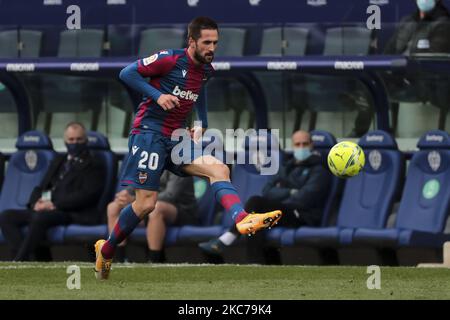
156	256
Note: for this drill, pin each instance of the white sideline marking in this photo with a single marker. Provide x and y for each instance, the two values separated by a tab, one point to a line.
115	266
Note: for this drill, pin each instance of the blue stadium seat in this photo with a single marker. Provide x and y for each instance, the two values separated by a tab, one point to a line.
425	202
2	170
26	169
367	198
323	142
99	146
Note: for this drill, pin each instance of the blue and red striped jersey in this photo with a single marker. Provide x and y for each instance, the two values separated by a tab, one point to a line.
171	72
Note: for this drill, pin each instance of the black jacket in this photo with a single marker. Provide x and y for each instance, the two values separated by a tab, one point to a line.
428	35
303	186
78	191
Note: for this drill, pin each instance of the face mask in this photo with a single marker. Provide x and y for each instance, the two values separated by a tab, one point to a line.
75	149
426	5
301	153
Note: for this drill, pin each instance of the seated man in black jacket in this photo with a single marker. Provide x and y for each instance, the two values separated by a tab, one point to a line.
68	194
426	31
299	190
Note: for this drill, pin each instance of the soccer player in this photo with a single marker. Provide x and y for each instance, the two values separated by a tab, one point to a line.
176	80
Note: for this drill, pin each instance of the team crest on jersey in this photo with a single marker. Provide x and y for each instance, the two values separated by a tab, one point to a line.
150	59
142	177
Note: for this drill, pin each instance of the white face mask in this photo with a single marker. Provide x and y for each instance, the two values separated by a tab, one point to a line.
301	153
426	5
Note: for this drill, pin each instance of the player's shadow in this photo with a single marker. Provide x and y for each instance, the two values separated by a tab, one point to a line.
213	258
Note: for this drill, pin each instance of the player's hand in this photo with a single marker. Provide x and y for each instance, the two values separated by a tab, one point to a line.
168	101
123	198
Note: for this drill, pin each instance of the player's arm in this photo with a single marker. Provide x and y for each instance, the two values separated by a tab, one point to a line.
134	76
314	191
273	191
198	130
202	110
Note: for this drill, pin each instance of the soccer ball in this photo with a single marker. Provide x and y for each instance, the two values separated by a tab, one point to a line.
346	159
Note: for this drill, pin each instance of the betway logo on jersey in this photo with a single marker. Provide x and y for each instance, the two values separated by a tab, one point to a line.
188	95
349	65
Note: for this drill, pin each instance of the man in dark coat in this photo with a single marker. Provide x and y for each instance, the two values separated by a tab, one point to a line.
299	190
424	31
68	194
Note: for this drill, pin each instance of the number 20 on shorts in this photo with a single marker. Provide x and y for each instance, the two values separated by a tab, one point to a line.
152	160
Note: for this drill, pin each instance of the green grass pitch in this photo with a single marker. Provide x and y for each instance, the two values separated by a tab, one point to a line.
210	282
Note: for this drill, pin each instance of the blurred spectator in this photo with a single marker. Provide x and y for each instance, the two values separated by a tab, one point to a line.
68	194
299	190
426	31
176	205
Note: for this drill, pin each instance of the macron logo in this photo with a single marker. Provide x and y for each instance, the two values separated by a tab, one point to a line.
188	95
134	149
184	72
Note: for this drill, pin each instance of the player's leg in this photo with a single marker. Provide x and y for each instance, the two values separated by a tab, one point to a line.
225	193
216	246
143	169
113	212
165	213
129	218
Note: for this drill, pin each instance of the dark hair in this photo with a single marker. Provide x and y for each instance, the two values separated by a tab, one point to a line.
198	24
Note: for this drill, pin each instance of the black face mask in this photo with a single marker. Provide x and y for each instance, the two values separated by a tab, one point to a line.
75	149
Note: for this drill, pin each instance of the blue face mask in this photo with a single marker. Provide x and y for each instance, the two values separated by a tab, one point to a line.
301	153
426	5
